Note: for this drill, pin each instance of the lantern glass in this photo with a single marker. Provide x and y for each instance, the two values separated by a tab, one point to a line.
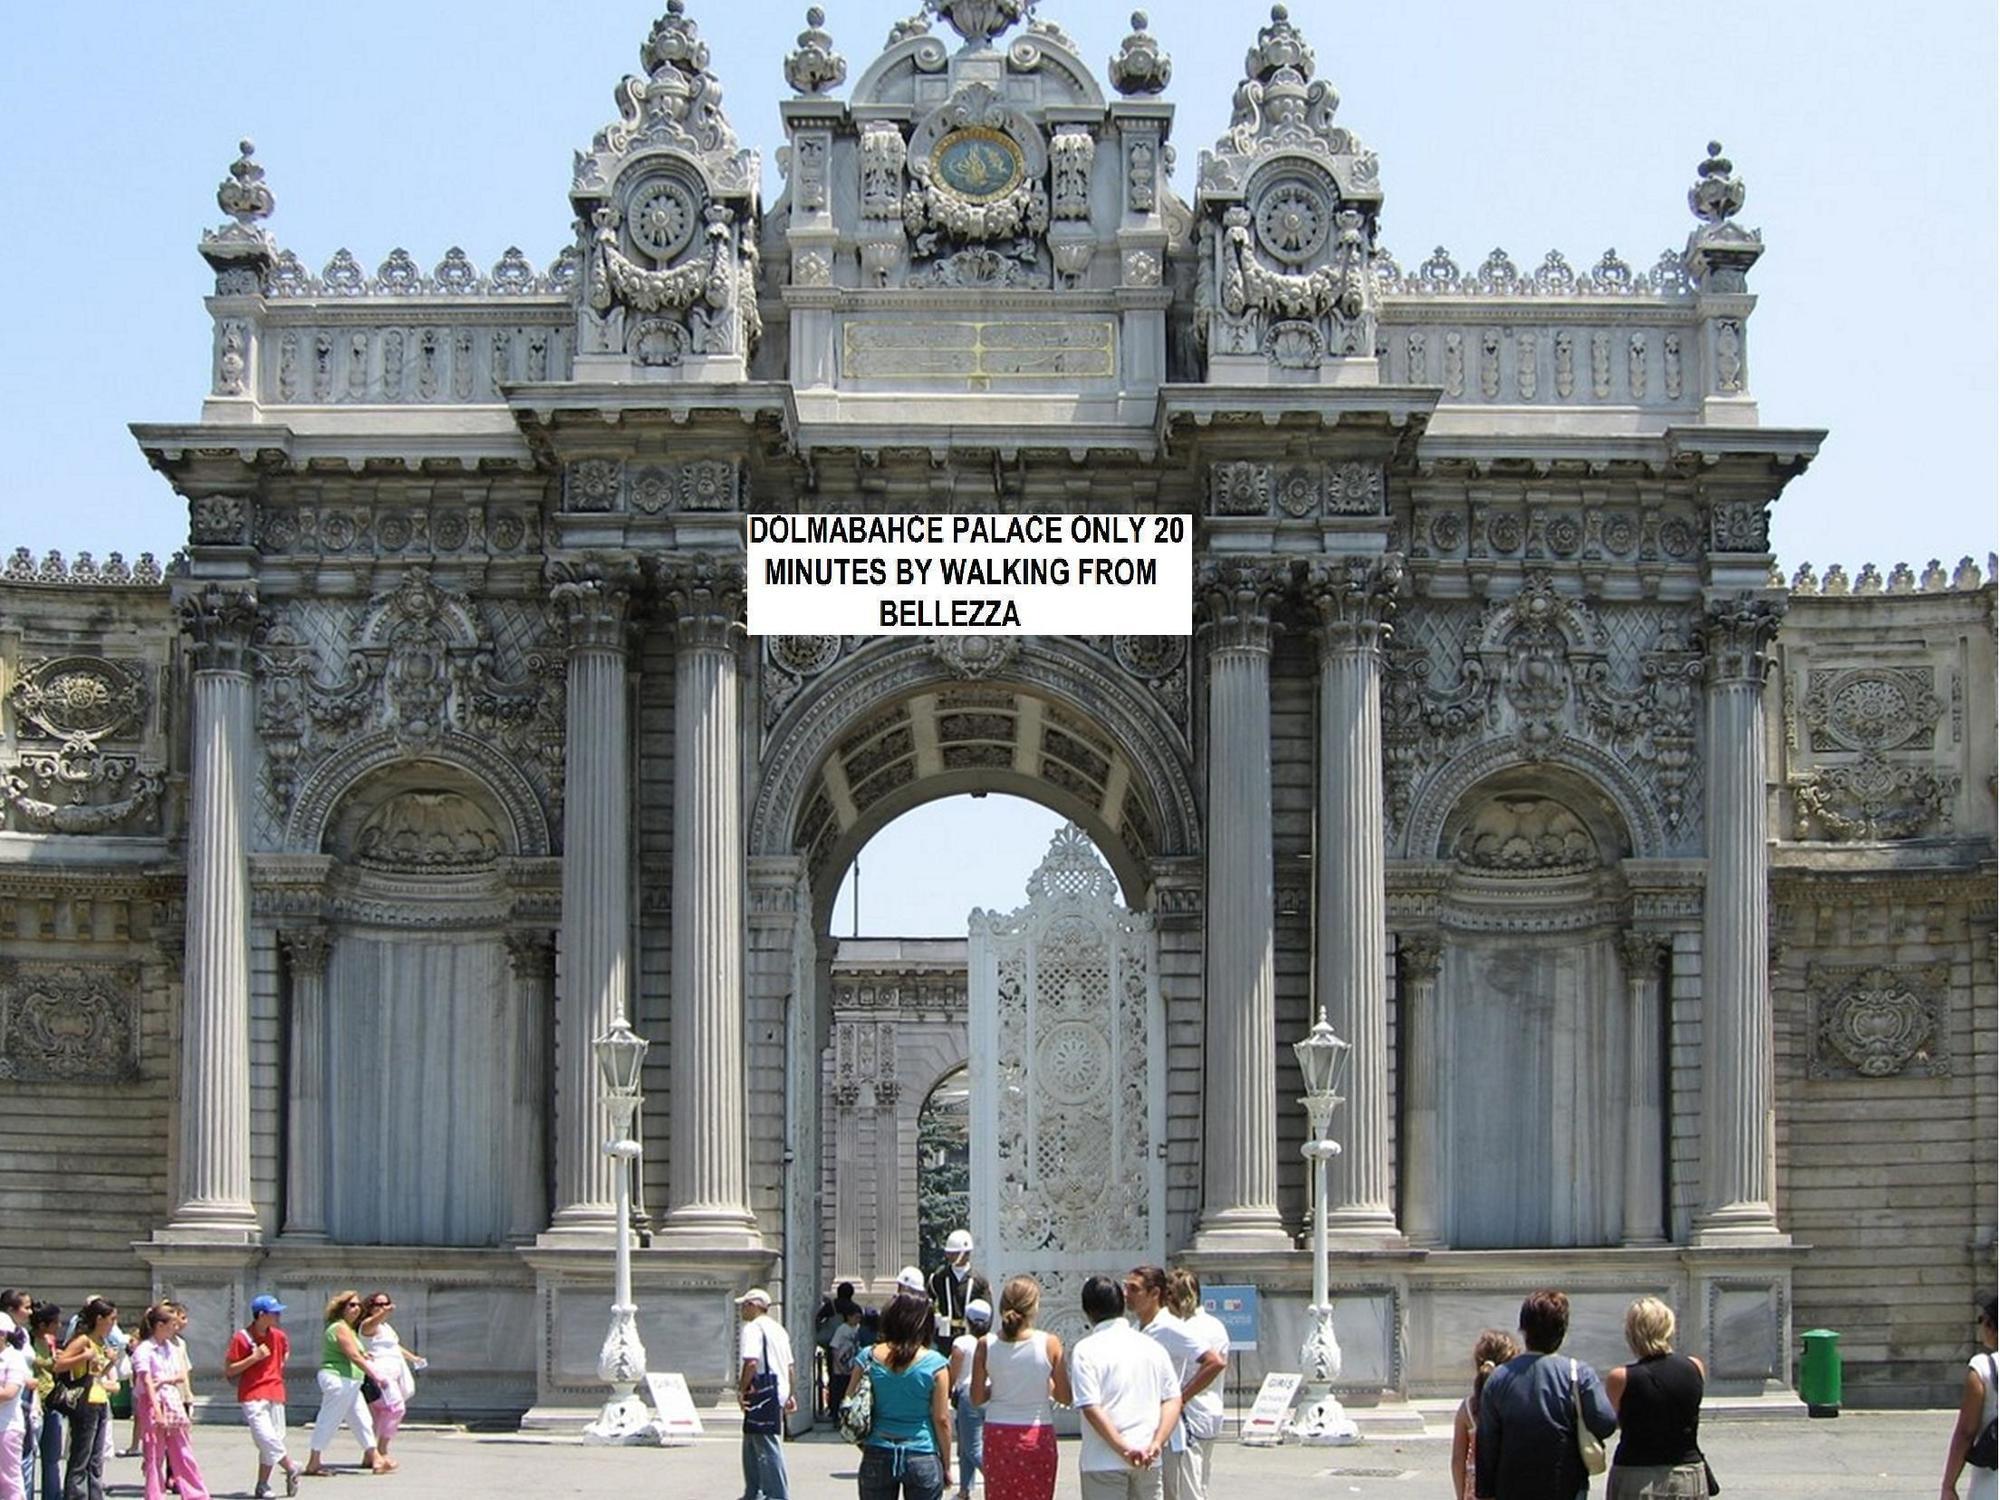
1323	1059
621	1052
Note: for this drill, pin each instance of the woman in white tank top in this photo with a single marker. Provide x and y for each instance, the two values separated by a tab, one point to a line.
1976	1410
1018	1375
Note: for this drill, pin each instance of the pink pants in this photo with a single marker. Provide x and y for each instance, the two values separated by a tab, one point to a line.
10	1463
388	1417
166	1445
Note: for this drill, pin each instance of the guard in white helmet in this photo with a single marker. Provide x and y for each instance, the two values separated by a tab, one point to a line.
954	1284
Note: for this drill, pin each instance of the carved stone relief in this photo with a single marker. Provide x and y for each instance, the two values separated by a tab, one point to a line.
68	1023
68	710
417	662
1877	1022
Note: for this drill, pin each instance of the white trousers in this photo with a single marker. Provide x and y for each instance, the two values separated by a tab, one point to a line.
266	1421
1183	1476
340	1401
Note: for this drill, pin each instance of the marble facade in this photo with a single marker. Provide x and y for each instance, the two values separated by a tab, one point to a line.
1650	886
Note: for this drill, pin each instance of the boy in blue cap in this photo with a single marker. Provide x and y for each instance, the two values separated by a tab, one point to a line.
256	1362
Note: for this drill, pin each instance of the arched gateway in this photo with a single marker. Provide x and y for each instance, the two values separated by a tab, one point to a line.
1471	746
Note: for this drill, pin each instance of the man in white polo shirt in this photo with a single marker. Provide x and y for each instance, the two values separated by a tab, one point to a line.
1195	1366
1128	1396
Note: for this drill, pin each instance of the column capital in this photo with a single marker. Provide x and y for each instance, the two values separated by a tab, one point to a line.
1642	950
306	949
705	595
1422	954
594	603
1234	600
220	623
1736	633
531	953
1353	600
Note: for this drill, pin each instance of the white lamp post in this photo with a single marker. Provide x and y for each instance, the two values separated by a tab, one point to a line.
621	1363
1323	1059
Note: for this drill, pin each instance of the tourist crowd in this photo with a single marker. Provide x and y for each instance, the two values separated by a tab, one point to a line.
65	1383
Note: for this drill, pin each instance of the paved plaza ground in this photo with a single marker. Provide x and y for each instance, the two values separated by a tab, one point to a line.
1860	1453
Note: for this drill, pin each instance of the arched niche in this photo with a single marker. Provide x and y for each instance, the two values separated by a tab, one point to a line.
419	1062
1529	1030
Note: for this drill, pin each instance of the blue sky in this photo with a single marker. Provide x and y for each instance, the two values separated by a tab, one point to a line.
1865	134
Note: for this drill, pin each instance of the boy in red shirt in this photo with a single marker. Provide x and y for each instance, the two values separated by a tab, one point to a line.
256	1362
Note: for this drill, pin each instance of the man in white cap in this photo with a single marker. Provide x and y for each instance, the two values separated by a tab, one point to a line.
954	1284
764	1388
911	1280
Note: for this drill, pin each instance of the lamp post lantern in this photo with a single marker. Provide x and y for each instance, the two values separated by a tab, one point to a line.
621	1363
1323	1060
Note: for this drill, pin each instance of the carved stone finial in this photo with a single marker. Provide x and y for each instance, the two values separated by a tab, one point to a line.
909	28
242	194
979	21
1720	252
1717	194
815	67
1140	66
674	42
1279	45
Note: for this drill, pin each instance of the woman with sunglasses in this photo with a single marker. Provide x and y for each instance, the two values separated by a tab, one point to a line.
342	1363
86	1361
391	1364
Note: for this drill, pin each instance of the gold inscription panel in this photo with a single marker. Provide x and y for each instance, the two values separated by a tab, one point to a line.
1076	349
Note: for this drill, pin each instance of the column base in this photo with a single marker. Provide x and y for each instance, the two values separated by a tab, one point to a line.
1233	1230
1739	1224
708	1229
592	1222
211	1223
1364	1229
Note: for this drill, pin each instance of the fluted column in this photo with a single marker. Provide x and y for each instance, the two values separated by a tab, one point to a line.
595	974
1738	1146
1422	955
212	1190
531	964
1355	599
306	950
708	1197
1240	1087
1645	1168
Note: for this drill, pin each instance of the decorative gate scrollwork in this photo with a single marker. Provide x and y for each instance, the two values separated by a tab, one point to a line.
1068	1083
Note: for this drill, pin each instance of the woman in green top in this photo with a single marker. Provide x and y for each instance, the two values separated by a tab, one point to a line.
341	1367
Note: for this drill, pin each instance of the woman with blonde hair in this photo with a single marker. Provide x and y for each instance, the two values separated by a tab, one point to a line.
1658	1401
1493	1348
1019	1376
342	1363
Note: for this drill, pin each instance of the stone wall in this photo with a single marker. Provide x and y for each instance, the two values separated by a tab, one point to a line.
89	923
1883	970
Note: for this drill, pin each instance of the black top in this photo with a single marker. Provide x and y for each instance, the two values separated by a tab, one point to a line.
1661	1409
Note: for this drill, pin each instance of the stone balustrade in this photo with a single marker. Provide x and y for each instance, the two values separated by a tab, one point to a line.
1869	580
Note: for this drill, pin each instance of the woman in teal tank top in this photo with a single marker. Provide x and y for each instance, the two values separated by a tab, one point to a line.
342	1367
909	1443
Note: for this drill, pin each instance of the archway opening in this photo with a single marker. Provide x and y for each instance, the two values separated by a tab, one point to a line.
944	1164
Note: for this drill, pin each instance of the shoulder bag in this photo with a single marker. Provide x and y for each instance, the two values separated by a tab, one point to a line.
764	1412
1985	1450
857	1408
1589	1446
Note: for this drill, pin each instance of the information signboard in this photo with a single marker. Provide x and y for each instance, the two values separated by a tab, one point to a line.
1236	1308
1271	1411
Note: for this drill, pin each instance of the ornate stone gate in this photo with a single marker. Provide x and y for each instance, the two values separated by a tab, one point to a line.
1068	1085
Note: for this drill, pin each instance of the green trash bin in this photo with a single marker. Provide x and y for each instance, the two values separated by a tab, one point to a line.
1819	1373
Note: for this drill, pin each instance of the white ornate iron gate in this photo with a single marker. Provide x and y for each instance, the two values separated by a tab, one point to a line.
1068	1084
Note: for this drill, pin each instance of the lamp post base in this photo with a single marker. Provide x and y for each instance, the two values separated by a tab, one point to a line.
621	1364
1325	1424
626	1420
